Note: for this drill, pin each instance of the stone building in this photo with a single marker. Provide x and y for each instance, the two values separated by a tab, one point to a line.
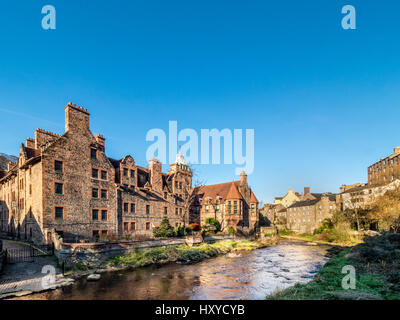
66	184
308	214
385	170
233	204
288	199
363	196
275	214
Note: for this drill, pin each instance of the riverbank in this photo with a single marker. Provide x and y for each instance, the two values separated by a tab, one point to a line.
242	275
323	238
377	266
183	254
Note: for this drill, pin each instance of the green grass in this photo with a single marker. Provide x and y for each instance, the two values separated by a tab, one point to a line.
184	253
377	275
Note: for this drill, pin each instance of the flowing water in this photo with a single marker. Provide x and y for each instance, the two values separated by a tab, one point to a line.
250	275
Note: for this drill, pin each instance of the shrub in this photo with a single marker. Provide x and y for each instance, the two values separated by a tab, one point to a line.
326	226
165	230
231	231
285	232
179	231
213	222
194	227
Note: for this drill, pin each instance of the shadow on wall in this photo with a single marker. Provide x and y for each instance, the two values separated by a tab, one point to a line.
27	230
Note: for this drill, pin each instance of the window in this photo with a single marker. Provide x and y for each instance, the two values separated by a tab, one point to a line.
147	209
30	189
95	193
180	185
95	173
165	211
133	226
180	211
93	153
104	195
176	211
104	175
126	226
147	225
165	195
103	215
58	188
59	213
126	207
133	208
95	215
125	172
58	166
133	174
96	234
104	233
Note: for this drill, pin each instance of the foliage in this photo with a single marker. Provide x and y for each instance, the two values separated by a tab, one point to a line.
285	232
214	222
179	231
386	211
231	231
194	227
165	230
326	226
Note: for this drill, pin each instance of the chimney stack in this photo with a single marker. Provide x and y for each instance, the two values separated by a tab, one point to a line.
306	190
396	150
243	179
155	168
76	118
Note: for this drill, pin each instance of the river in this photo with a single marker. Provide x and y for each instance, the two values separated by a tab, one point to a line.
251	275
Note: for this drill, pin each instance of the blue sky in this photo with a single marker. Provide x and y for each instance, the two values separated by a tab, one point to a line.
323	101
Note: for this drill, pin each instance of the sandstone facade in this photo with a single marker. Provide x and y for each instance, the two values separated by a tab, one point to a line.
67	184
233	204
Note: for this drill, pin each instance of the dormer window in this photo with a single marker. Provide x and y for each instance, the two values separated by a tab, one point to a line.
132	174
93	153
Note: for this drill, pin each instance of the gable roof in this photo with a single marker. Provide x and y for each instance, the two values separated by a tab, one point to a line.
223	190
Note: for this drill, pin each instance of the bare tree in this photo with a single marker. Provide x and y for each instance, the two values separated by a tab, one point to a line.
189	194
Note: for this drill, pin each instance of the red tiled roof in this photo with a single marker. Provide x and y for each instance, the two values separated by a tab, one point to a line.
222	190
253	197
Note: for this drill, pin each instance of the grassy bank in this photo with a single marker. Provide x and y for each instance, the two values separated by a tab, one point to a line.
183	253
377	265
328	237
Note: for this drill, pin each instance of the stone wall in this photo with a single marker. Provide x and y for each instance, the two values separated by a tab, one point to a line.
267	232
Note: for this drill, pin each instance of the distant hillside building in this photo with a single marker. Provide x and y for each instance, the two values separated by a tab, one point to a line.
363	196
233	204
385	170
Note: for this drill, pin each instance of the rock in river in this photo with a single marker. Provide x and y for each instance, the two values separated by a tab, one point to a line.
93	277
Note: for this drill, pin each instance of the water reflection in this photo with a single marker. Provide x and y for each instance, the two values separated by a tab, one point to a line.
247	276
